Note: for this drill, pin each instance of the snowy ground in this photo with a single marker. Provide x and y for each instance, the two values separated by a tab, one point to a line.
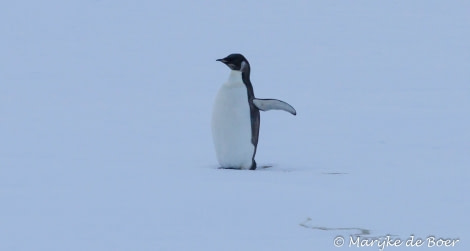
105	124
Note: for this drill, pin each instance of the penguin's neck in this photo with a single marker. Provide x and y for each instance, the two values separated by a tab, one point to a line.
235	77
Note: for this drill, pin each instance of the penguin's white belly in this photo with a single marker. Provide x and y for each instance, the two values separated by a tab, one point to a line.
231	126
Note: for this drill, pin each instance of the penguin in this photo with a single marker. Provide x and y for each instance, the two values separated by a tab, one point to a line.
236	116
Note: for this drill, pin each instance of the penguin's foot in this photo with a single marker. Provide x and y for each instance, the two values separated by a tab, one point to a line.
230	168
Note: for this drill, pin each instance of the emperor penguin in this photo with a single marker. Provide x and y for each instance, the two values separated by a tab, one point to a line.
236	116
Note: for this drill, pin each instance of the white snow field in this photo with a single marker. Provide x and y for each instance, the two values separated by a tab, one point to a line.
105	139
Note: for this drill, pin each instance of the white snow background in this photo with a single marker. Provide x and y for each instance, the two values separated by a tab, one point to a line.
105	108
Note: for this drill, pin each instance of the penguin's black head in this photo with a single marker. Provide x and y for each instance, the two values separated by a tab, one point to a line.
236	62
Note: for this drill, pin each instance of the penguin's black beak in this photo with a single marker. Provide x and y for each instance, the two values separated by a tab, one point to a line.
227	63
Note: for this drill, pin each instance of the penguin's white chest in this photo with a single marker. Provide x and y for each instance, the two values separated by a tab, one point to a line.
231	124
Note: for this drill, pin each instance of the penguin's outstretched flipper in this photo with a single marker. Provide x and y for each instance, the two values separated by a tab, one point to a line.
273	104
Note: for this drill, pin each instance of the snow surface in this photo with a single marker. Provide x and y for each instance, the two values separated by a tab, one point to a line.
105	124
